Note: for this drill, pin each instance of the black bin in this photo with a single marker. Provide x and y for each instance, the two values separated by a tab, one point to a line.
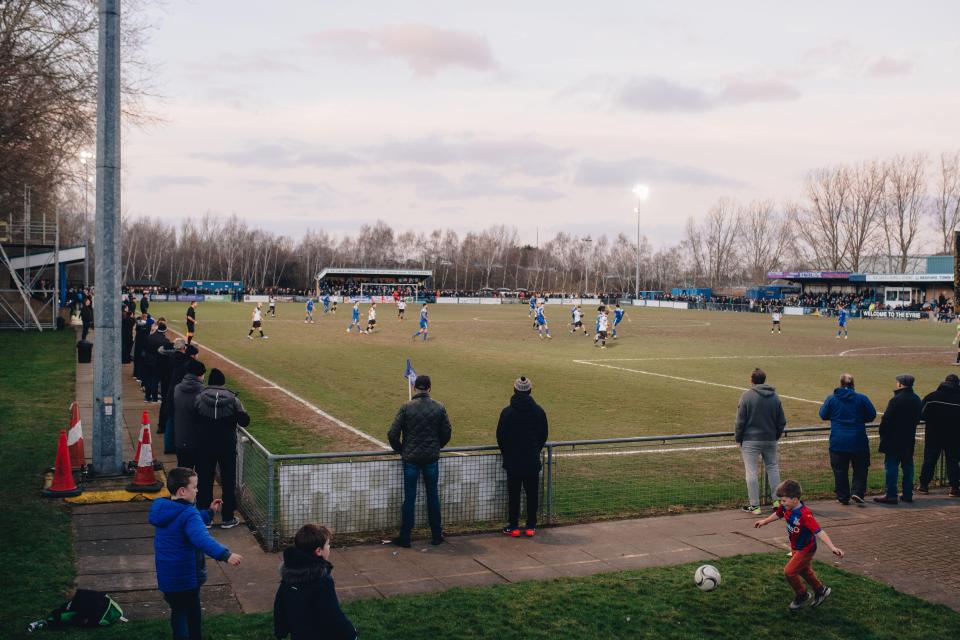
84	352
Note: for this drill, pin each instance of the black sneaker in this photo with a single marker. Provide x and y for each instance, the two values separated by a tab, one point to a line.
438	540
229	524
801	601
821	595
843	502
401	542
857	499
922	489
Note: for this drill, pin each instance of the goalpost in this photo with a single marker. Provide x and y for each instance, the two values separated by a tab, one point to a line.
376	289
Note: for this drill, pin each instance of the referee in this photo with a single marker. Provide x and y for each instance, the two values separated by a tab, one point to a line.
191	321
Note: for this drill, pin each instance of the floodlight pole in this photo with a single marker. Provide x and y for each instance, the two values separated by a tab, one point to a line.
107	385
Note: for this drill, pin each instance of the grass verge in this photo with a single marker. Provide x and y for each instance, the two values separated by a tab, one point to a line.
651	603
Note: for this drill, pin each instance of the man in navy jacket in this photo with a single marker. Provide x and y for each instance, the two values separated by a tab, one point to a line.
848	413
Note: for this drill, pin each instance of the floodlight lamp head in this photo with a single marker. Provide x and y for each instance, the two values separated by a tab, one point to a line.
641	191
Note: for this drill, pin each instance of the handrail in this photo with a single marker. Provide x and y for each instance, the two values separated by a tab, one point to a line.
548	445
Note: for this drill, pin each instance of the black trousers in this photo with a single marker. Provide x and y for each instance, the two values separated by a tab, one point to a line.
530	486
932	446
207	463
86	329
185	458
840	462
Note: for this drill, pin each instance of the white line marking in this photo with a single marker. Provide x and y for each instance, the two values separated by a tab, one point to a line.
767	357
312	407
693	380
911	346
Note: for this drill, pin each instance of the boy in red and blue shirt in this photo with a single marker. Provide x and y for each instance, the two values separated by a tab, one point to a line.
803	530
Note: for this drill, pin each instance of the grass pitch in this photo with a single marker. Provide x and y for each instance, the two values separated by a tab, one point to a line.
669	371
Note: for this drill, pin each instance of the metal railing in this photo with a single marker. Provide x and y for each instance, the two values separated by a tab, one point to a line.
360	493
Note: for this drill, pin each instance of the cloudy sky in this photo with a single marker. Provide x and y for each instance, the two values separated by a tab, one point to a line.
318	114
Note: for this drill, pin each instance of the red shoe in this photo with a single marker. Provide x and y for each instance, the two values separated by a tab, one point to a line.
528	532
510	531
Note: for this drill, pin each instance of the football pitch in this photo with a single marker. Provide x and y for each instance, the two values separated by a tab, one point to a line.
668	372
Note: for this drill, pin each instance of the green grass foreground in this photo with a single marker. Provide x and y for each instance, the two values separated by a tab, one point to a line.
652	603
37	385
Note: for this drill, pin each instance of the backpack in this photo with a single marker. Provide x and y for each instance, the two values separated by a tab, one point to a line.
87	608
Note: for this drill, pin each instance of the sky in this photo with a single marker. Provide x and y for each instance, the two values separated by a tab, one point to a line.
538	115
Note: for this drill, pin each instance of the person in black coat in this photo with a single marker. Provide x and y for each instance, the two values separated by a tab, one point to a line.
898	435
521	434
941	411
126	336
151	361
141	331
86	317
306	605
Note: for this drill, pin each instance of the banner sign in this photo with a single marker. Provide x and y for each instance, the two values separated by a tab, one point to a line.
901	315
808	275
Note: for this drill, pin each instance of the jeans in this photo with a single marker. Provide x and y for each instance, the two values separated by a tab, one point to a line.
841	461
531	486
185	613
207	463
431	479
892	464
750	450
932	446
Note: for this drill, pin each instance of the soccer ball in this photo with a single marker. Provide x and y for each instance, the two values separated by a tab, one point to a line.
706	577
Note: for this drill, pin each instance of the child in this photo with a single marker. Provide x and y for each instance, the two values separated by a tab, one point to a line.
803	530
306	604
179	545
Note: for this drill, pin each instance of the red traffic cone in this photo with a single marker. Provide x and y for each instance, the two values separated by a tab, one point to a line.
63	483
75	438
144	424
145	480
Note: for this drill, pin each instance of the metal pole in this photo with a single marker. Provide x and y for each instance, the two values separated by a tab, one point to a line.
548	516
268	528
107	385
636	295
86	223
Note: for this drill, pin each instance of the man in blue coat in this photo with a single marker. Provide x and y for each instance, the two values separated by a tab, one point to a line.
179	545
848	413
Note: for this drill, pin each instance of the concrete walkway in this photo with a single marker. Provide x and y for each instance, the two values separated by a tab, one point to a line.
911	547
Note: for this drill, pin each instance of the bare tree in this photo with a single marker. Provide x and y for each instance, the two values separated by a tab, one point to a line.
903	205
947	209
819	223
864	210
764	239
720	231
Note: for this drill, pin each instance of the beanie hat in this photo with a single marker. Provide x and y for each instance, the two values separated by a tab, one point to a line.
422	383
523	385
191	350
196	368
161	327
952	379
216	378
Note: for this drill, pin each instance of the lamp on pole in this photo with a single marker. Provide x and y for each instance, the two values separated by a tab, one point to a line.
642	192
586	262
85	157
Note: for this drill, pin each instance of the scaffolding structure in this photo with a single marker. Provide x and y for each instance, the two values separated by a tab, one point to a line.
29	273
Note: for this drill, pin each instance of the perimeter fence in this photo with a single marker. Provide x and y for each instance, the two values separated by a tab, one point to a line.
360	493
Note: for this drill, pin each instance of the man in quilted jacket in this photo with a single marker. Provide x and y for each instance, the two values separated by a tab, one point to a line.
419	431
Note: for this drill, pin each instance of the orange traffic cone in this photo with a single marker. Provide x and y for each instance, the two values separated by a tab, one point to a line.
145	480
75	438
63	483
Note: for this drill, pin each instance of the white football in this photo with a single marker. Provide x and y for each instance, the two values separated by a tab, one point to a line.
706	577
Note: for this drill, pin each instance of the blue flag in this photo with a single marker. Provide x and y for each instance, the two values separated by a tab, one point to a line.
410	374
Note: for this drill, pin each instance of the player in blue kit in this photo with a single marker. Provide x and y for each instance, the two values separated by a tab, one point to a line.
618	314
326	304
309	317
533	306
541	322
424	323
842	323
355	318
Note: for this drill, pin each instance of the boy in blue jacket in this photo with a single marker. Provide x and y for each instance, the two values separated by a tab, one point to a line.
306	606
179	545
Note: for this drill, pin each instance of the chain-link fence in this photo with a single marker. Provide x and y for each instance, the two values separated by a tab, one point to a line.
361	493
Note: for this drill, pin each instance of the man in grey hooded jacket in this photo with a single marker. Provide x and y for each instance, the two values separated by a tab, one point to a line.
760	424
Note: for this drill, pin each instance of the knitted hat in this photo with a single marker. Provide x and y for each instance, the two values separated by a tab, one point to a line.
422	383
906	380
952	379
216	378
191	350
523	385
